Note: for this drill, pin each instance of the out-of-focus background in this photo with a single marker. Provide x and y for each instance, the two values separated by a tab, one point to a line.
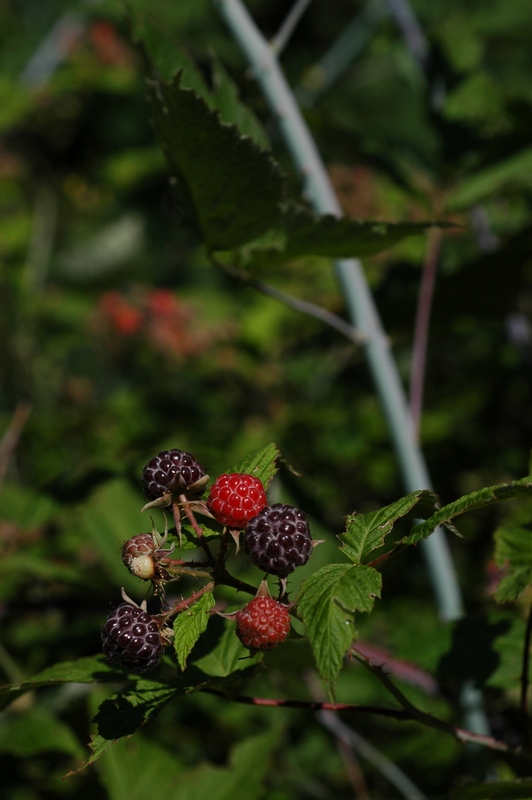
118	339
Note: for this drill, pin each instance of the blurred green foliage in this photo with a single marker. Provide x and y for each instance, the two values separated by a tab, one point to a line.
120	338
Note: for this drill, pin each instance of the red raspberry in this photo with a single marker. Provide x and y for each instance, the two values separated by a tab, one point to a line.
262	624
235	499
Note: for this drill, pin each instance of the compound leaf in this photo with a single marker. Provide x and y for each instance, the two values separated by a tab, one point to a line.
327	604
478	499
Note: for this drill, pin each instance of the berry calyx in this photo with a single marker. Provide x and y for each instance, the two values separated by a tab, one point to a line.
171	470
236	498
132	637
278	539
262	624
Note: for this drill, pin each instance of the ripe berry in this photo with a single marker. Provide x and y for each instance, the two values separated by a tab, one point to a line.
278	539
132	637
235	499
167	468
262	624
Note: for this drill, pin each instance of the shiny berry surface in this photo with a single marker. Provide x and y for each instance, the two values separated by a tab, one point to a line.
235	499
167	468
262	624
278	539
132	637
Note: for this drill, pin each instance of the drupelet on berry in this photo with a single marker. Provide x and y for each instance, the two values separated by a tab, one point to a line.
235	498
167	468
132	637
278	539
262	624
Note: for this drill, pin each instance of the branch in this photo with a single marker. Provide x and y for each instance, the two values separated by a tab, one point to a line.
312	310
421	330
280	40
402	715
9	440
350	739
524	681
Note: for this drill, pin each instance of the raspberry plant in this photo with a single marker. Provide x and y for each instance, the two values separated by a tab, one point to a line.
217	159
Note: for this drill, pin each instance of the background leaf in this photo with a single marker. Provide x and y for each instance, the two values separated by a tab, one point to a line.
308	233
513	551
217	170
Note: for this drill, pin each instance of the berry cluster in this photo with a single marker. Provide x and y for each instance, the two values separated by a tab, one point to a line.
277	539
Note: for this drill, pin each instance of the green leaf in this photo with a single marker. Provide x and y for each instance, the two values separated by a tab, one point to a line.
229	188
226	99
478	499
219	652
123	713
308	233
189	625
93	669
327	604
514	172
131	769
249	764
263	464
109	517
519	789
366	532
26	508
513	550
508	647
37	731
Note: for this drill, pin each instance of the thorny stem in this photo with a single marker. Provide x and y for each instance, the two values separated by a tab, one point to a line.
219	572
394	551
181	605
524	682
416	715
197	530
400	714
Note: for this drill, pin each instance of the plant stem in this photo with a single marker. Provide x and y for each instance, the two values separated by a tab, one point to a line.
524	682
421	330
362	311
312	310
197	530
181	605
280	40
402	715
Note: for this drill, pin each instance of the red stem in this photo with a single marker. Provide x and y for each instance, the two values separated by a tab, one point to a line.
421	331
